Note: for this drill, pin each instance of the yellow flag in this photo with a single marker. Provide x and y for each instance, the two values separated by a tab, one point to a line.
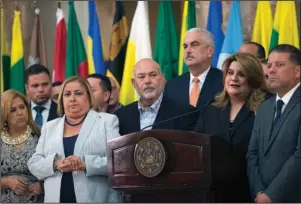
5	59
285	27
263	25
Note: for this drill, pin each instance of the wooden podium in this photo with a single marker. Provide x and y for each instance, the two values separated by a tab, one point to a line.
197	168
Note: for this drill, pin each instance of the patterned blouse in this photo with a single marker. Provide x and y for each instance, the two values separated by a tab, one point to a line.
14	163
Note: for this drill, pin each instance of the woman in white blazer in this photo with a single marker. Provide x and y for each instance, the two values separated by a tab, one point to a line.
71	153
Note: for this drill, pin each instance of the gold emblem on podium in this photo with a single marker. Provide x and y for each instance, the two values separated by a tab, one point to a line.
149	157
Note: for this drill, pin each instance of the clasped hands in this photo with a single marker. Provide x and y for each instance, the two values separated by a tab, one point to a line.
262	198
69	164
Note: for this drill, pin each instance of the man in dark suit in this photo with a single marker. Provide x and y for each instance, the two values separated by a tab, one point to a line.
114	103
38	90
102	89
253	48
198	86
274	149
152	107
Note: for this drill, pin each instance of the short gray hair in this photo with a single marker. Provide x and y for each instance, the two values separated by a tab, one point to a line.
208	37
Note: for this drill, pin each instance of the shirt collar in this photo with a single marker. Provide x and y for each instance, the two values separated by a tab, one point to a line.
286	98
46	105
155	106
201	77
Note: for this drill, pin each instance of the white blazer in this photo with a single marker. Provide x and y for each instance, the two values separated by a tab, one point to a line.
90	146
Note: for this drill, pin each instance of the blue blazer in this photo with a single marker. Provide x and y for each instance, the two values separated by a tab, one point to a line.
90	146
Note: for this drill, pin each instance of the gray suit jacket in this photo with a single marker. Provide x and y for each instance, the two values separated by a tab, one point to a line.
274	155
90	146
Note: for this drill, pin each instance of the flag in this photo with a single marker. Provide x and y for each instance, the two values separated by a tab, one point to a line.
59	67
95	55
139	46
263	23
214	25
285	28
37	53
5	58
234	34
188	21
119	41
166	51
76	63
17	66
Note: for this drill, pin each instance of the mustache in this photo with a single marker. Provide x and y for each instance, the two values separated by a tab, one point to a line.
149	87
189	55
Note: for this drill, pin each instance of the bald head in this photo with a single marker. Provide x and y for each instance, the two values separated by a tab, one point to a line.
148	81
146	63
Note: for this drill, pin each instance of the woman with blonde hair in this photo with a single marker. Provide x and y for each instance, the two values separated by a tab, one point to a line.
19	137
71	154
230	115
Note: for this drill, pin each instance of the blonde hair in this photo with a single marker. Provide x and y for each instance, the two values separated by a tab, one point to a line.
84	83
253	72
7	98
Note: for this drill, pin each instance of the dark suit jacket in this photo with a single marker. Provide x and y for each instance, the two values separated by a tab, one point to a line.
216	122
274	154
178	88
129	117
52	112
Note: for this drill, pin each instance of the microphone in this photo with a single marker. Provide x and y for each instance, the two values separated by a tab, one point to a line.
169	119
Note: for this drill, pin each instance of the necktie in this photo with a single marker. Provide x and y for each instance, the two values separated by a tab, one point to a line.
195	92
279	106
39	117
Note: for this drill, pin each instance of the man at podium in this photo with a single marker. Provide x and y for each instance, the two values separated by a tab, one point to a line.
153	110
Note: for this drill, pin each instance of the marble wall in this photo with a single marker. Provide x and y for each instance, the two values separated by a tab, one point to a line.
106	10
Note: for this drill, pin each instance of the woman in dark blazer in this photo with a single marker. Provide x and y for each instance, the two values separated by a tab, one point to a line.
230	115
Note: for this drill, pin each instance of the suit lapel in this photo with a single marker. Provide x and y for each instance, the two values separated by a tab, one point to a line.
52	112
291	104
85	131
135	119
242	115
59	134
205	92
270	112
224	122
184	89
162	113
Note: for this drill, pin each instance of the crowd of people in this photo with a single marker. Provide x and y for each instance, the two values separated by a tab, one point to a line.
53	140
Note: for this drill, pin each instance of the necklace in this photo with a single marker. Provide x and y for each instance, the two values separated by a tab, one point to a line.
15	140
75	124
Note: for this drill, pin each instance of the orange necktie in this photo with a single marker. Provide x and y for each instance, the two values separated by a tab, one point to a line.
195	92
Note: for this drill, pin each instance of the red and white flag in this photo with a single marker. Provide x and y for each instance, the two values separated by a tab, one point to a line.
60	47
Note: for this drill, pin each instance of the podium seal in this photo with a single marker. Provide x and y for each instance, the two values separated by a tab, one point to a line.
149	157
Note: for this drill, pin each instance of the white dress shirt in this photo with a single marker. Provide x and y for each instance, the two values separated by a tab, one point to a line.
45	112
201	78
287	97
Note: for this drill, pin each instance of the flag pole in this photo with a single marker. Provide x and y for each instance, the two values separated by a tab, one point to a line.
17	6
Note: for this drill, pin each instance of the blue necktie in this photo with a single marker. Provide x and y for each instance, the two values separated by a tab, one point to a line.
279	106
39	117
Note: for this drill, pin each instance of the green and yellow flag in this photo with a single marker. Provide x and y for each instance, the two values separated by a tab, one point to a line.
262	28
17	66
188	21
166	51
285	28
5	58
